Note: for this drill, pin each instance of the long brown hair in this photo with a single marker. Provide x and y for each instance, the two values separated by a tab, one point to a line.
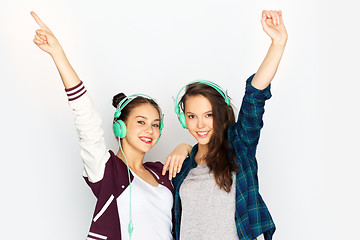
217	159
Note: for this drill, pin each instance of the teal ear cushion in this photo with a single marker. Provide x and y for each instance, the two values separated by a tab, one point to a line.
182	121
181	116
161	126
177	109
119	129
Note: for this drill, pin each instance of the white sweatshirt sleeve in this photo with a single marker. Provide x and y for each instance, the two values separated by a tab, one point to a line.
91	135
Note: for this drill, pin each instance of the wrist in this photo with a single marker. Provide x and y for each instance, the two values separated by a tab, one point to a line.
58	52
279	43
189	149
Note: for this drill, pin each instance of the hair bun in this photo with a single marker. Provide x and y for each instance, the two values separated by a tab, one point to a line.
117	99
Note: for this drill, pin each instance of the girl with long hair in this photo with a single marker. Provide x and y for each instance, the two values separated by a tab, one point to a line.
216	191
128	191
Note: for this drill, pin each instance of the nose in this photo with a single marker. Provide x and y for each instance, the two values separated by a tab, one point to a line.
149	129
200	123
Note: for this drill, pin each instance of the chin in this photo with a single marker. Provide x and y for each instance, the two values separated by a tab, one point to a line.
203	141
147	148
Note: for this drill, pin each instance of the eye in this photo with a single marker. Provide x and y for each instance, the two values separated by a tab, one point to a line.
155	125
141	122
208	115
191	116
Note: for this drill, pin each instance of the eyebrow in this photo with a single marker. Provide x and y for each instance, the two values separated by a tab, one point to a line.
157	119
188	112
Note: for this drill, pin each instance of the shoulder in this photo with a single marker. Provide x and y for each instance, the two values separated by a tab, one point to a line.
155	166
115	165
156	169
187	162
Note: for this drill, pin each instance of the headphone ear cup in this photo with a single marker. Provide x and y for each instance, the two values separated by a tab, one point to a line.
159	135
161	126
182	120
119	129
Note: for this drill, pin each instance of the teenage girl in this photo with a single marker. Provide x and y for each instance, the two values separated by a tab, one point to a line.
216	191
137	125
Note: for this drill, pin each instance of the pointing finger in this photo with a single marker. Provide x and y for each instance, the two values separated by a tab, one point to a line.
38	20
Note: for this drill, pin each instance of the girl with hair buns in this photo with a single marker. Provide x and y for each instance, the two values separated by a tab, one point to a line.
137	125
216	191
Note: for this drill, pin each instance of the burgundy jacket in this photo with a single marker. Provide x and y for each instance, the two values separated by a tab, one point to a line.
106	221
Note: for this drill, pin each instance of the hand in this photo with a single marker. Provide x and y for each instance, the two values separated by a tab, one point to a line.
273	25
44	38
175	160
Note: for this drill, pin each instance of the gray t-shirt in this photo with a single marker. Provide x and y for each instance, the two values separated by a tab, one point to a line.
208	212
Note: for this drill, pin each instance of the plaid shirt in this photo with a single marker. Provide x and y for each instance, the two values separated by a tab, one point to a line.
252	217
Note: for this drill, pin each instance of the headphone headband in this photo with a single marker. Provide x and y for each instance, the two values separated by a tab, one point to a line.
122	104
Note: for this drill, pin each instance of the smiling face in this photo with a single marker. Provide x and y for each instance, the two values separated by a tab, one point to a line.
142	125
199	118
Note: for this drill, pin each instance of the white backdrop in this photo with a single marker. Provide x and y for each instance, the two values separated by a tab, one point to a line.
308	152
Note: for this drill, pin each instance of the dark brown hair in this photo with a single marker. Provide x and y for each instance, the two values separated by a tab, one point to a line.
134	103
217	158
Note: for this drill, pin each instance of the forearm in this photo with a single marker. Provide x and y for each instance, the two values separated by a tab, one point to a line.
88	125
184	147
269	66
68	75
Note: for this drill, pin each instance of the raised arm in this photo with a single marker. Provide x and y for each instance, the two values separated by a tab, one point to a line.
273	26
257	86
47	42
87	120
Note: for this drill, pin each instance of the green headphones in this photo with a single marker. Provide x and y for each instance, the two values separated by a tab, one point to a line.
119	126
181	115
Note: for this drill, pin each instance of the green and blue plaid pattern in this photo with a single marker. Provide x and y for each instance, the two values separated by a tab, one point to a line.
252	217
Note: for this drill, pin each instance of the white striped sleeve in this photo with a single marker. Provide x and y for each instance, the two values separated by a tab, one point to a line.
75	92
88	125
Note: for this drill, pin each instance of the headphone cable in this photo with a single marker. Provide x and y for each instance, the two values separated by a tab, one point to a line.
130	226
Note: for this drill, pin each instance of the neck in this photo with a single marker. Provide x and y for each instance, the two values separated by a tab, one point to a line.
201	153
134	157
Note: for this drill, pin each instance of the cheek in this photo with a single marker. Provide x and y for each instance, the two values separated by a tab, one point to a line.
210	122
156	132
133	129
190	123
